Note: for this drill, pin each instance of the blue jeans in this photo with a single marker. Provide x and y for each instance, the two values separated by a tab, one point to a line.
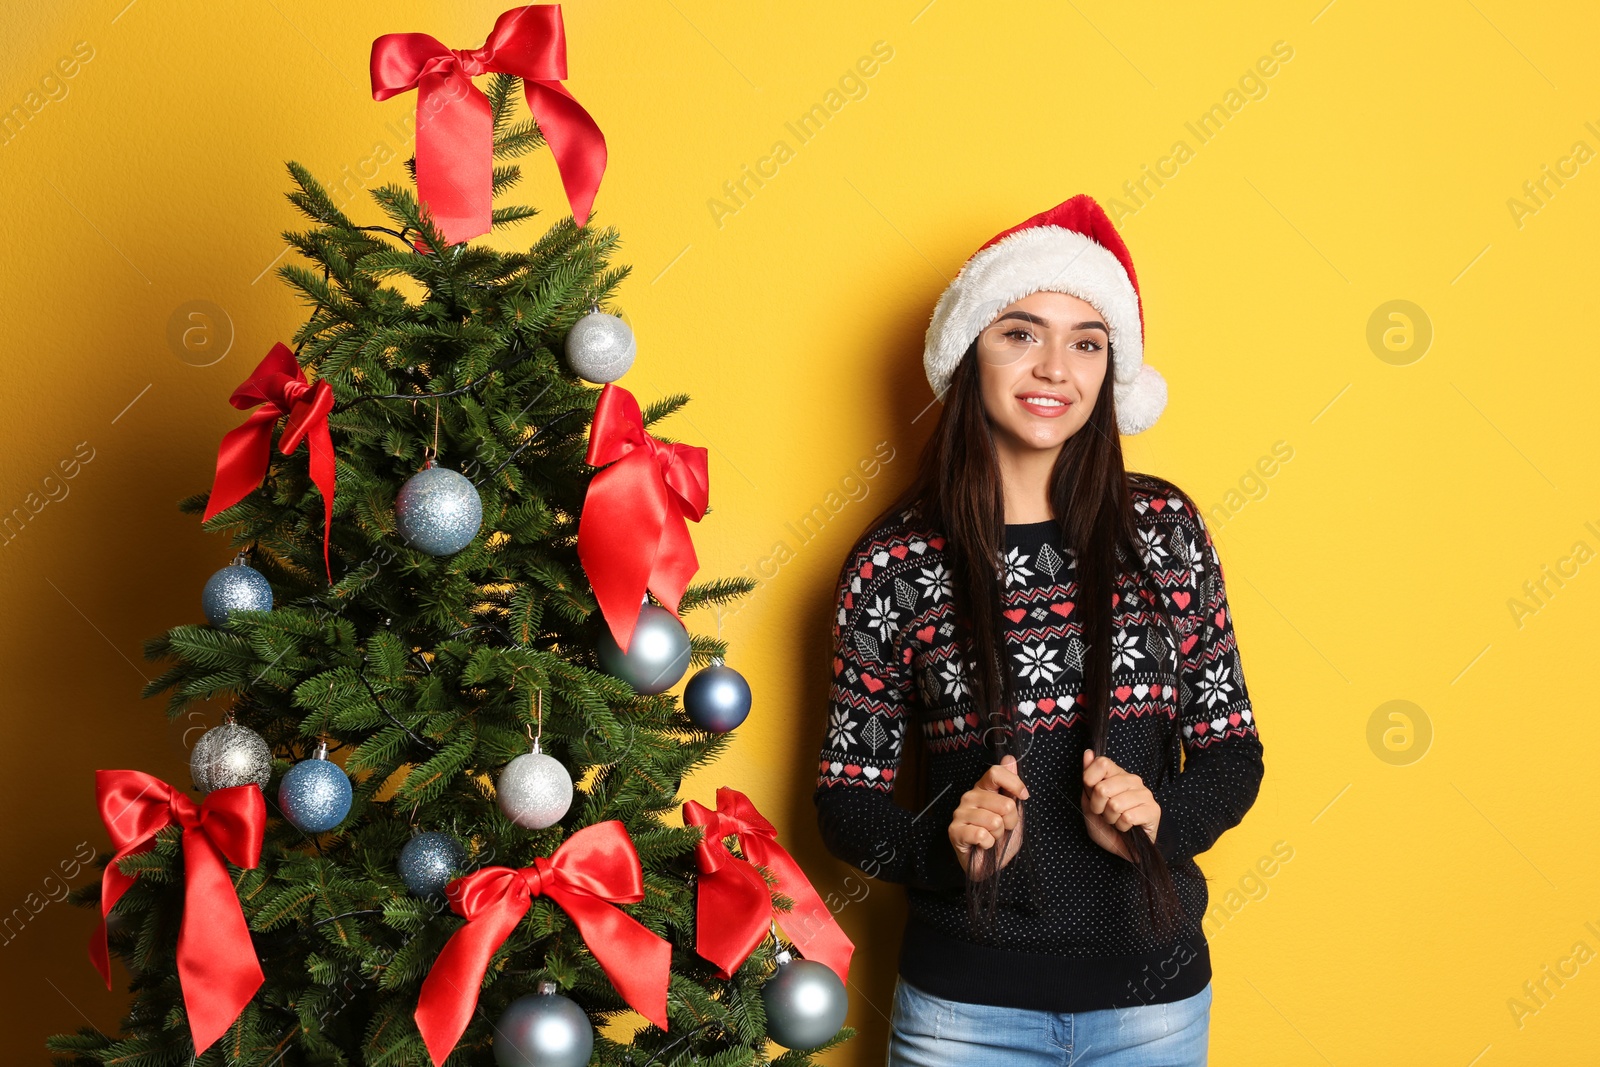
929	1031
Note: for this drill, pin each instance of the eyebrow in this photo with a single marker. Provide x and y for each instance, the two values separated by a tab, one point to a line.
1092	324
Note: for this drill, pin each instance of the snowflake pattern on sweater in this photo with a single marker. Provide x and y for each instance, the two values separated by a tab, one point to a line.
897	665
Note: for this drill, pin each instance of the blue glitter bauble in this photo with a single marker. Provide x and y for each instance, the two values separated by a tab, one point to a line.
236	587
439	511
543	1030
429	862
717	698
315	795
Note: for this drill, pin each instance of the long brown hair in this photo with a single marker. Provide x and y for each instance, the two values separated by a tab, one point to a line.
957	489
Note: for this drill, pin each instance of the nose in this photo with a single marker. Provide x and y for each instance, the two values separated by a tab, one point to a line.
1052	364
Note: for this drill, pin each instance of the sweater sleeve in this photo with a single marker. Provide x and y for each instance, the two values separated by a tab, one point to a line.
1222	766
868	716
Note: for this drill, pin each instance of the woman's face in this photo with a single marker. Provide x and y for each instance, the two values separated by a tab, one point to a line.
1041	363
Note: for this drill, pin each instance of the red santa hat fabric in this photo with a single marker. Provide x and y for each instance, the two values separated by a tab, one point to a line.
1072	248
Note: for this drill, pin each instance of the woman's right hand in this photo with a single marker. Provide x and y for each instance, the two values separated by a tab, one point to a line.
986	810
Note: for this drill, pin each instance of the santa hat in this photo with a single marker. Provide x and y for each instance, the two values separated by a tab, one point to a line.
1071	248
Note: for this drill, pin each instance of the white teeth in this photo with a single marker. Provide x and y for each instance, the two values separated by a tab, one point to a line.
1044	401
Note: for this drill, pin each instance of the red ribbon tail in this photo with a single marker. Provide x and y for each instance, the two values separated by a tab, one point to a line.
241	461
100	953
319	441
810	924
619	530
637	961
575	141
450	992
674	564
217	966
731	915
455	155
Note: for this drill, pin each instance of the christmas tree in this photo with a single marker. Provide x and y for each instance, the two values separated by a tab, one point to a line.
421	671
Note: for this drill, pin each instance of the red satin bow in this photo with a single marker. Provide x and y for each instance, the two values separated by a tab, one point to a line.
455	134
593	870
631	533
279	385
217	966
735	905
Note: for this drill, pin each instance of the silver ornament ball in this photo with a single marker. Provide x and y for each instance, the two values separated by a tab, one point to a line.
230	755
717	698
439	511
600	347
315	795
236	587
429	862
806	1003
658	652
543	1029
534	790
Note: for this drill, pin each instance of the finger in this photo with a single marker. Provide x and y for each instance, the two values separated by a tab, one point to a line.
1117	784
1139	815
1091	803
1001	777
993	820
972	835
992	802
1094	767
1101	767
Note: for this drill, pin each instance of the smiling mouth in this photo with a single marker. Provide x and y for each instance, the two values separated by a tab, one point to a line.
1046	407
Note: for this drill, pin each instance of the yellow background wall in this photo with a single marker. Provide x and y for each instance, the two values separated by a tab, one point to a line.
1378	513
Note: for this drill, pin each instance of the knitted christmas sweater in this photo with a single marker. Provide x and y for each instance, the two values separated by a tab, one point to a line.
1071	933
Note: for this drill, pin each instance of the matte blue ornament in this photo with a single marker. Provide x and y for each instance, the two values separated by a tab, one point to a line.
315	794
236	587
717	698
439	510
658	651
805	1001
543	1029
429	862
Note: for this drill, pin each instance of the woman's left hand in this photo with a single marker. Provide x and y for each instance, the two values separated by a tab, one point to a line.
1114	800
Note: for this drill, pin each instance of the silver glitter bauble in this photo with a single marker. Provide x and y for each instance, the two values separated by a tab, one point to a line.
717	698
658	652
806	1003
429	862
600	347
230	755
439	511
534	790
236	587
543	1029
315	795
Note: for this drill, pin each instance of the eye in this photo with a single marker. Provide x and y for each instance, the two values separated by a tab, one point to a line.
1094	345
1019	334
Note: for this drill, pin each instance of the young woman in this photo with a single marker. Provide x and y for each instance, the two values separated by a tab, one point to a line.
1058	630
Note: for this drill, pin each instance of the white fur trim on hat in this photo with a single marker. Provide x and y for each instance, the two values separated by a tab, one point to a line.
1052	259
1140	402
